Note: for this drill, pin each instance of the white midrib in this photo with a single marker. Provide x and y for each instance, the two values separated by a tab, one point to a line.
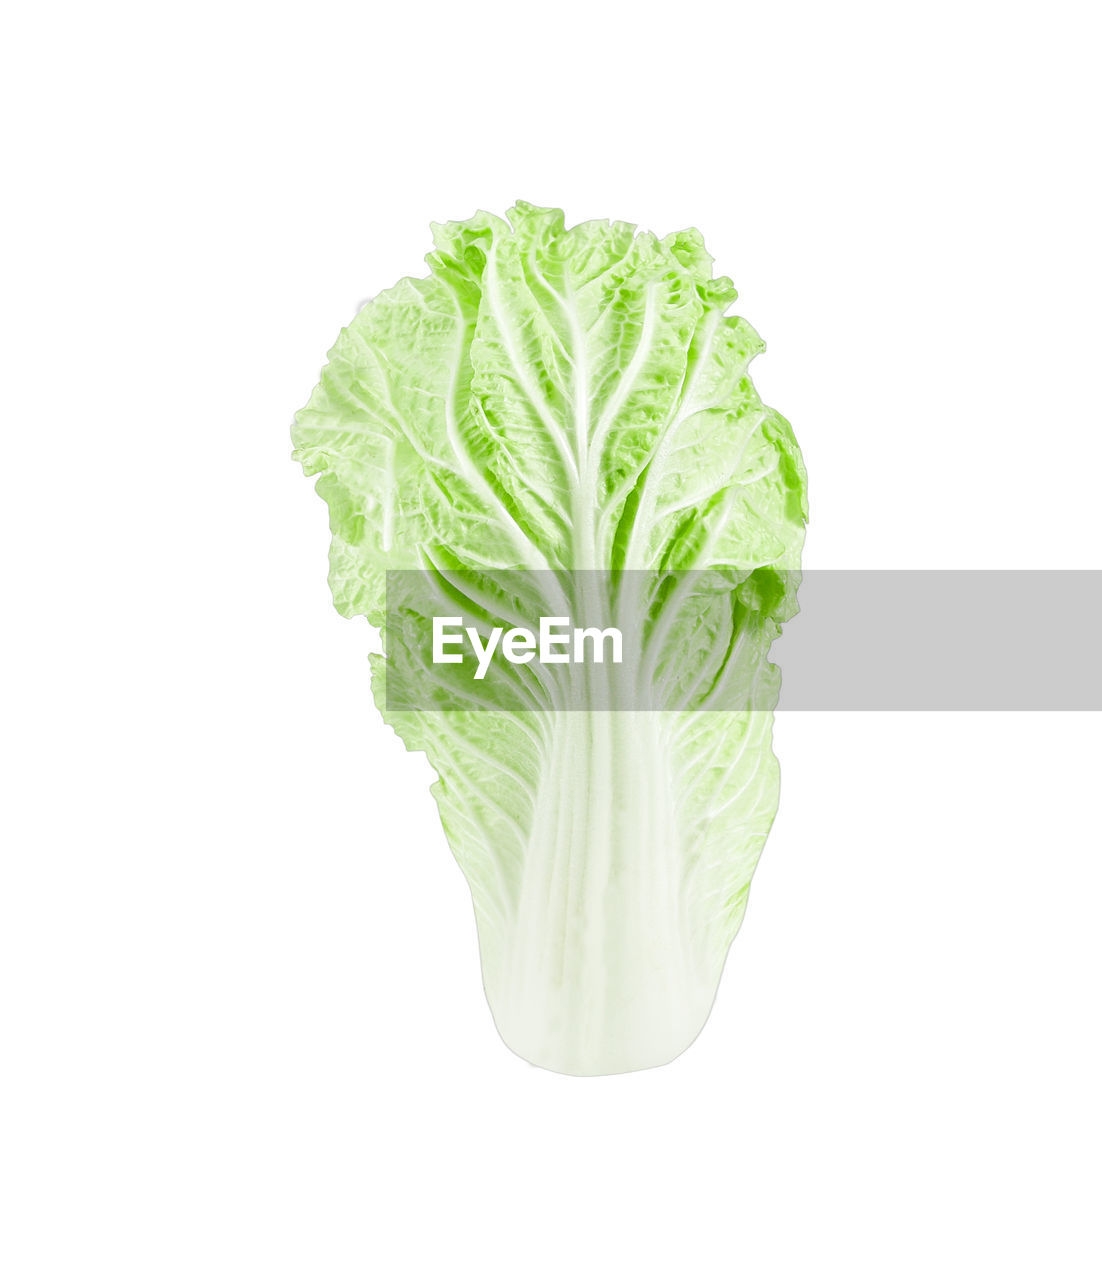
584	503
590	846
635	555
543	410
526	548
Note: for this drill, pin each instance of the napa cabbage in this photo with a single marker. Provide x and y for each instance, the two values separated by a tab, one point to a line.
560	421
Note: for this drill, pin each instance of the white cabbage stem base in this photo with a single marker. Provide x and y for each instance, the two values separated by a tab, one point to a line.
609	963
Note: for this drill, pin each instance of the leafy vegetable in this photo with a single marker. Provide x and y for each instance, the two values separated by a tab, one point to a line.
573	406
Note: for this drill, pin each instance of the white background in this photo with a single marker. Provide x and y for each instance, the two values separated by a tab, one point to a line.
243	1030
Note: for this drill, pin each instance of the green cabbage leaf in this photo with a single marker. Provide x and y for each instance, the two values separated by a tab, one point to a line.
573	406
